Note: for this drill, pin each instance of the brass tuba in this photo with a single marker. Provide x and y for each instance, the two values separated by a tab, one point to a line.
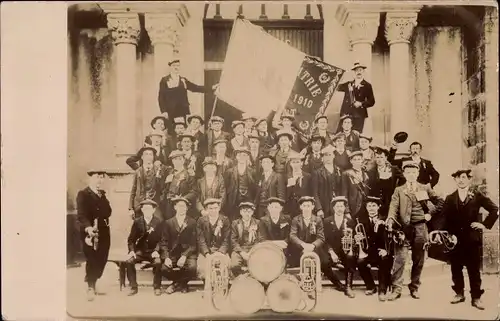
361	241
217	279
347	240
310	279
93	241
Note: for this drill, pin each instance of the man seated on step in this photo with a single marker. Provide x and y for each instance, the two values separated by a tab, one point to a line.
244	235
212	232
275	226
143	245
178	247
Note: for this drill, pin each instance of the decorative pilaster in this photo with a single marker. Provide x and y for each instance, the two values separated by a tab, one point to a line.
124	27
399	27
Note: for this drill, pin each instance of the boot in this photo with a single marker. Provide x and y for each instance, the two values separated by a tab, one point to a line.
477	304
133	291
348	283
458	298
90	294
395	294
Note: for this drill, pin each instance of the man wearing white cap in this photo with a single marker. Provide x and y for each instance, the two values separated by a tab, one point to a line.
412	206
358	97
249	121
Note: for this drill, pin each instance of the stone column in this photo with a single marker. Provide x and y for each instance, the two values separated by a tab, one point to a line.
125	29
399	27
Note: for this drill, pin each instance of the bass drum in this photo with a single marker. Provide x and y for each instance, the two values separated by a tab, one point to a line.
246	295
266	262
284	294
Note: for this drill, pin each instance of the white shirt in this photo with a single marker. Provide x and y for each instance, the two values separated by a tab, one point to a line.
267	175
180	219
275	219
246	224
148	221
339	219
329	168
462	193
213	220
416	159
307	220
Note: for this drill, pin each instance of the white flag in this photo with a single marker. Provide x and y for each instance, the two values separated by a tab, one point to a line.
259	70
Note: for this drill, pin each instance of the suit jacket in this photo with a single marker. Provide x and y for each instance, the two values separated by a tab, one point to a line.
400	207
458	217
294	191
427	173
385	188
333	234
312	163
363	94
355	191
234	144
139	192
256	162
266	232
376	239
204	192
135	161
300	233
210	139
280	161
232	184
194	162
174	100
342	160
180	183
90	206
208	242
224	166
325	186
274	186
238	241
177	241
145	237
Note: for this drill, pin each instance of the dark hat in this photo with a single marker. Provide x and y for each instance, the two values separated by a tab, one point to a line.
338	199
275	200
217	118
145	148
187	134
345	116
410	163
159	117
156	133
260	120
328	149
148	202
189	117
236	123
220	141
287	114
247	204
366	136
355	153
253	134
380	150
338	136
209	201
267	155
179	120
94	171
316	136
306	199
318	117
179	198
208	161
462	171
373	199
282	132
173	62
242	150
175	153
358	65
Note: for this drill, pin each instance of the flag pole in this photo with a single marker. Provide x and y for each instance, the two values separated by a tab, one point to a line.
213	107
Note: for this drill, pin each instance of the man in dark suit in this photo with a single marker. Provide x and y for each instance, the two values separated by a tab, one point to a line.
412	206
244	235
270	184
275	226
239	139
147	183
213	234
313	160
200	144
161	151
220	156
298	184
351	135
321	123
463	219
178	247
143	245
215	133
266	139
306	233
211	185
241	184
326	183
341	153
177	182
193	159
358	97
93	212
355	184
173	142
255	151
427	174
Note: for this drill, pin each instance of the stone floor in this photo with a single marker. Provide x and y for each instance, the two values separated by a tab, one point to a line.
435	292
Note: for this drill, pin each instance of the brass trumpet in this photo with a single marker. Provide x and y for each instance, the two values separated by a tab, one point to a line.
361	241
347	240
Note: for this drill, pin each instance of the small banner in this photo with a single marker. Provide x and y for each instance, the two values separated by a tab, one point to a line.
314	87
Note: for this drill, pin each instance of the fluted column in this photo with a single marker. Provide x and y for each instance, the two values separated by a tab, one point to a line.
399	27
125	30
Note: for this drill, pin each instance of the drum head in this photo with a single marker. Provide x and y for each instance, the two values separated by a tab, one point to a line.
284	295
246	295
266	263
400	137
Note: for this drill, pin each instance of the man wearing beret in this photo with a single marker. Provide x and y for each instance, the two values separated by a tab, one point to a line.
355	184
213	234
463	219
306	233
147	182
144	245
270	184
215	133
178	247
244	235
412	206
211	185
93	212
326	183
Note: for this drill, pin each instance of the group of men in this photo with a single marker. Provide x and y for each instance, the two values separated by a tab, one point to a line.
197	192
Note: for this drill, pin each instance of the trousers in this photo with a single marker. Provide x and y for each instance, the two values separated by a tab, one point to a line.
96	260
132	272
181	275
469	256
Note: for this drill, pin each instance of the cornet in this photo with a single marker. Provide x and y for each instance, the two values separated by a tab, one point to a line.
361	240
347	240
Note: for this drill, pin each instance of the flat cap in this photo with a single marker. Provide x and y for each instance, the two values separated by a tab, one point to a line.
175	153
306	199
179	120
179	198
462	171
410	163
145	148
328	149
236	123
338	199
190	117
208	161
209	201
217	118
275	200
355	153
148	202
247	204
373	199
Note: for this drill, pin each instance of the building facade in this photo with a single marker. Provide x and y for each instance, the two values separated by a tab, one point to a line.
433	70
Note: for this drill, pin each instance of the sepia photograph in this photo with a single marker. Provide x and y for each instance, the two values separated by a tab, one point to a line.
282	160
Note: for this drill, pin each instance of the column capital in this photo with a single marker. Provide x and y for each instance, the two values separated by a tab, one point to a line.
399	26
162	28
124	27
362	22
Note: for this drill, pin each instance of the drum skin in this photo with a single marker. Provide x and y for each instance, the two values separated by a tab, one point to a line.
266	262
284	294
246	295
